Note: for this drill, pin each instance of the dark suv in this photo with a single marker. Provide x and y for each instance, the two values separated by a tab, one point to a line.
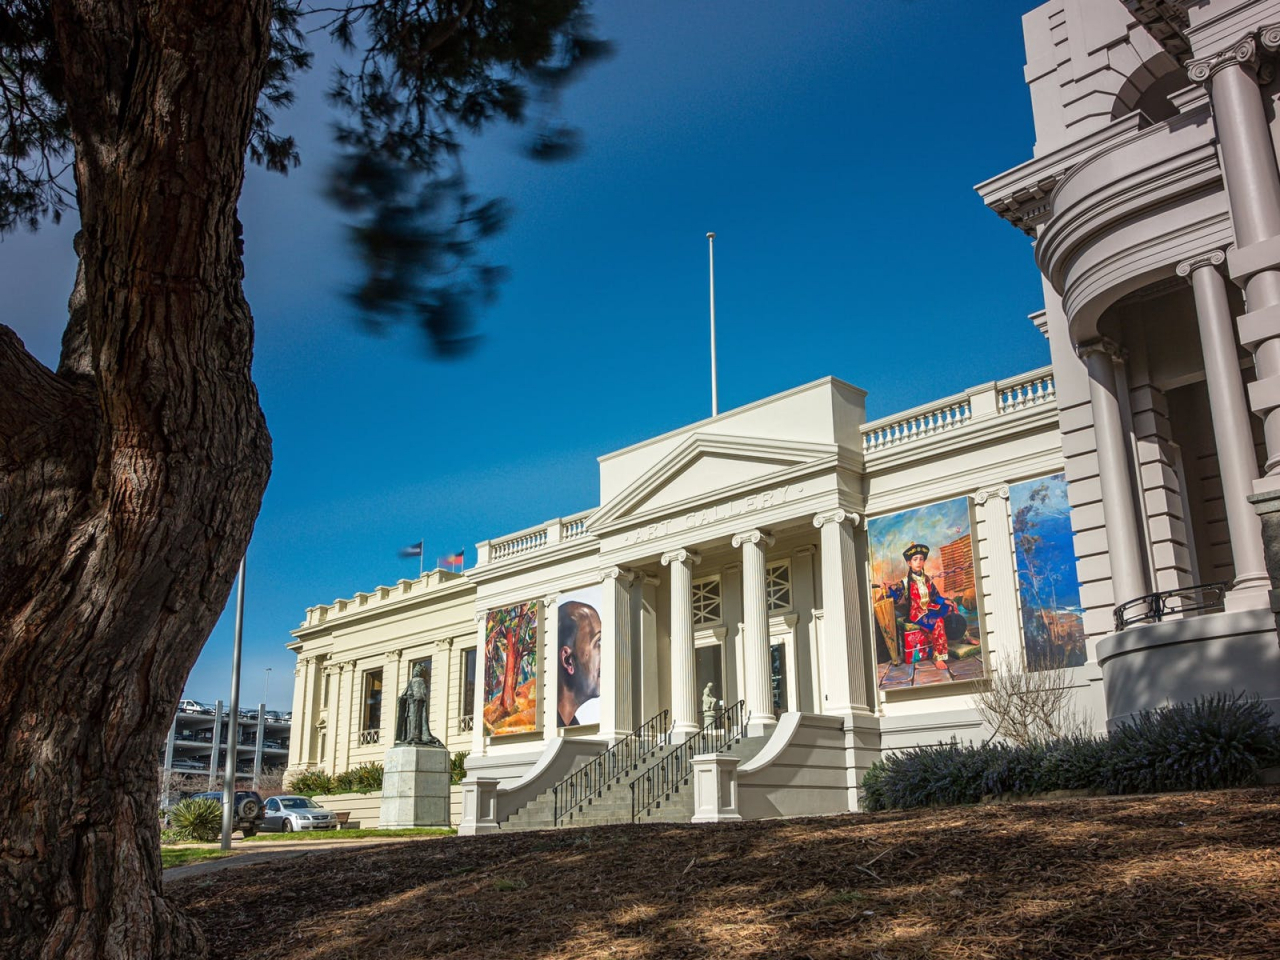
247	814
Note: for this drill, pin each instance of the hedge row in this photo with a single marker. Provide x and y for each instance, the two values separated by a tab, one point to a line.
1213	742
365	778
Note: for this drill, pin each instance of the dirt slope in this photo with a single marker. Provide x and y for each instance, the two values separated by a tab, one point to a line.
1185	875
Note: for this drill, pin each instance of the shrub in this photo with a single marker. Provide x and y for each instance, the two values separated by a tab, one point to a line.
458	766
365	778
310	782
197	820
1213	742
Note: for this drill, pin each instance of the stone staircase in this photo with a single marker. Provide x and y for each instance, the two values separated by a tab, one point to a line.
614	803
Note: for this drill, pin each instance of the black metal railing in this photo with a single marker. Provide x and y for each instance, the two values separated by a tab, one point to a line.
666	776
1154	607
589	781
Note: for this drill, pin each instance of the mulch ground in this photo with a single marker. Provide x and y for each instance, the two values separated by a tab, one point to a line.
1182	875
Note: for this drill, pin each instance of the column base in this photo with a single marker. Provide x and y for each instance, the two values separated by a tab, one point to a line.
1249	593
680	732
761	726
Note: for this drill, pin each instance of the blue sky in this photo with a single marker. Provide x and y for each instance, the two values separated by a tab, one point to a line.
832	147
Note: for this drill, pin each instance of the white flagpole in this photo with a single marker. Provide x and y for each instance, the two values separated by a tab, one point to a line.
711	261
422	552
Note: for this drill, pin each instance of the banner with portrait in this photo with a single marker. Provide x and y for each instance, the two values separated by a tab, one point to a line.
511	670
577	656
924	596
1048	586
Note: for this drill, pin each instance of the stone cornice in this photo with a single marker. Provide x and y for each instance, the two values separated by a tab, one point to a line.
753	537
1166	21
681	555
839	515
1214	258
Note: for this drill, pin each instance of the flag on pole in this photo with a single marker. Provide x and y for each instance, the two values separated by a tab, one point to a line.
412	550
451	561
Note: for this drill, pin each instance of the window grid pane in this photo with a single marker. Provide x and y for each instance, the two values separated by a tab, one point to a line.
777	586
707	608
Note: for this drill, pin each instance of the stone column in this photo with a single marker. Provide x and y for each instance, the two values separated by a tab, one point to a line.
1123	543
550	673
646	668
684	708
616	711
1233	438
392	684
755	632
847	682
999	570
477	708
802	602
1253	190
733	683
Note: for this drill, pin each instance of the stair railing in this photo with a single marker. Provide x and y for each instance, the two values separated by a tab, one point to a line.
664	778
589	780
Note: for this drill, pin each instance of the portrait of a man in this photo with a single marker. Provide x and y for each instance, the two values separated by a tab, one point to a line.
578	661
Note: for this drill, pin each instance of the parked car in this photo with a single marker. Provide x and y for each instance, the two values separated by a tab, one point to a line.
194	706
247	813
286	814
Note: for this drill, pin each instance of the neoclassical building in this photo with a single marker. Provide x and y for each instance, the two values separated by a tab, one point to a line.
1153	197
763	602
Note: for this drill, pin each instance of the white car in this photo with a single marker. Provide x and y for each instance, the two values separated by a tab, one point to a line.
286	814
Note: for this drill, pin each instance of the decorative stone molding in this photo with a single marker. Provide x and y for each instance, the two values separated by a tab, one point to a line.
839	515
1103	345
394	654
1269	37
480	615
1244	53
753	537
805	550
1214	258
681	556
982	496
551	599
618	573
649	580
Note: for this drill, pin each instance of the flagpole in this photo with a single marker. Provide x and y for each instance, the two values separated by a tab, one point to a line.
711	262
422	552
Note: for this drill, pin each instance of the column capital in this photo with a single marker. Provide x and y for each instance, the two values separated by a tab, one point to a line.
839	515
1213	258
805	550
1100	345
752	537
648	579
1244	52
620	574
551	599
480	615
683	555
394	654
982	496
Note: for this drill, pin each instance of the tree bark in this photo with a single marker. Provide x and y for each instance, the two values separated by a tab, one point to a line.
131	477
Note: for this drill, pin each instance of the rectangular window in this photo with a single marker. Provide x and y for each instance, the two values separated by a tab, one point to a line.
372	717
468	707
324	700
707	606
777	586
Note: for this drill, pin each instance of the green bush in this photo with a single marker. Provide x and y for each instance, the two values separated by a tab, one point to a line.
310	782
199	820
458	766
1213	742
365	778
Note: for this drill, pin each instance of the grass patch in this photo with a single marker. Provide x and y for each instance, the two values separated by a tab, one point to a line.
181	856
358	834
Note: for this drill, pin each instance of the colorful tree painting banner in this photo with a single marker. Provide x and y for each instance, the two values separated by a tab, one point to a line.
511	670
1048	587
924	596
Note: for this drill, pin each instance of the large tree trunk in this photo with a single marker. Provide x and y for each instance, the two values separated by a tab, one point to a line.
130	478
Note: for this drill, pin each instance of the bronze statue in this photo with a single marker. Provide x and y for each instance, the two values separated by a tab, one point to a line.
412	723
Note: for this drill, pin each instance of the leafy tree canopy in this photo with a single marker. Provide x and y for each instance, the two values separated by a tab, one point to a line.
424	73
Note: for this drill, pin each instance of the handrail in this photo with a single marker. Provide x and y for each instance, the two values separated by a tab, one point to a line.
662	778
1154	607
589	780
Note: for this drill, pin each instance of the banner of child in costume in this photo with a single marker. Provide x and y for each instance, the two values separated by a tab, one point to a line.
925	596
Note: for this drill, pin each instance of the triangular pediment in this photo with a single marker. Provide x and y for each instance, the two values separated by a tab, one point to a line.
704	467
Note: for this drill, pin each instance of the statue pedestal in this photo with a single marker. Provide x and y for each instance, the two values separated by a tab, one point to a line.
415	787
